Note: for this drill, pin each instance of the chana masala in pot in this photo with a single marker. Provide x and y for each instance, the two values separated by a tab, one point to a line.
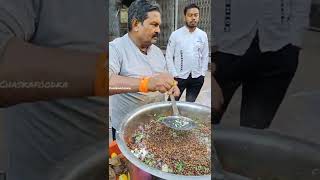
179	152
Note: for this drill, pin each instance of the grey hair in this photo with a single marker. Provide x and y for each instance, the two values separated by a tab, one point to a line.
139	10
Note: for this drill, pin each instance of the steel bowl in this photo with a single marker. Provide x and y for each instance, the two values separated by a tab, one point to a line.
142	115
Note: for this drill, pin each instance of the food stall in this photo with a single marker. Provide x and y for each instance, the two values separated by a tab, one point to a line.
241	154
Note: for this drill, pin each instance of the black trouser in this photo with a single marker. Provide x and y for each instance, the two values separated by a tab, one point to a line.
113	133
192	86
264	77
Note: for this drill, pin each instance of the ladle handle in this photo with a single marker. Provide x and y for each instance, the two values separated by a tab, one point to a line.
174	106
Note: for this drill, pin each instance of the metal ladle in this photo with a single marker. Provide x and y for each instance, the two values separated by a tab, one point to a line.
176	121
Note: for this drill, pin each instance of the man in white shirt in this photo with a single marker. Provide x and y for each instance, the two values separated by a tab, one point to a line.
137	68
187	54
258	44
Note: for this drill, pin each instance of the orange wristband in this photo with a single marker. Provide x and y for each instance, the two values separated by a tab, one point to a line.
144	84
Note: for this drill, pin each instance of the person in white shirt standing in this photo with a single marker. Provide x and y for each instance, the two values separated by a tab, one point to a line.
187	54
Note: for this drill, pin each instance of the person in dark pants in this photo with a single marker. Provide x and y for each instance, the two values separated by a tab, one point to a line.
258	45
264	77
192	87
114	133
187	54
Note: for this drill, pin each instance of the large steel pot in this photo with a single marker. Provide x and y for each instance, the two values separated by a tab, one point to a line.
315	15
266	155
141	116
88	164
256	154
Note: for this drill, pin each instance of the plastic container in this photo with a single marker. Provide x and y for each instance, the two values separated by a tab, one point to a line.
135	173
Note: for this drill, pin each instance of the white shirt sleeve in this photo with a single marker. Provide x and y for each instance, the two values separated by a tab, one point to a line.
205	56
170	55
299	19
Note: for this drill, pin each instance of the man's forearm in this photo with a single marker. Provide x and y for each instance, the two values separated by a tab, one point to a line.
31	73
121	84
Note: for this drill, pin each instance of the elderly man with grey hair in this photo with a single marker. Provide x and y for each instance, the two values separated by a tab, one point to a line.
137	68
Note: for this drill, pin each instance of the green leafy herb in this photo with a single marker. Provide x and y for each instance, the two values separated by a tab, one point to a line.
160	119
138	137
180	166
